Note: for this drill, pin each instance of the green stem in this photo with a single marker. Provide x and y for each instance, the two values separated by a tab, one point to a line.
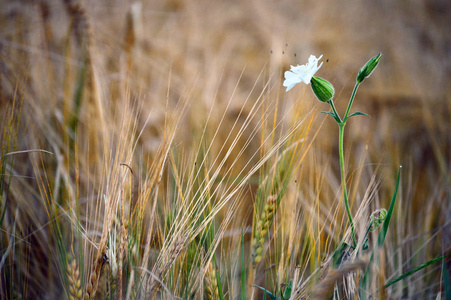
351	100
364	239
343	179
331	103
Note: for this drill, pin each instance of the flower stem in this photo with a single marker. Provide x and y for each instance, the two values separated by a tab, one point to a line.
350	101
331	103
343	178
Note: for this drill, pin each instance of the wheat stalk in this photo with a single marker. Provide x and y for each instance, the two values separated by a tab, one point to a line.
123	241
83	33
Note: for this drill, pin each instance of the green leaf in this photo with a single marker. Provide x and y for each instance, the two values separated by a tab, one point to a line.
218	281
359	113
422	266
287	293
274	297
339	254
331	114
78	98
383	233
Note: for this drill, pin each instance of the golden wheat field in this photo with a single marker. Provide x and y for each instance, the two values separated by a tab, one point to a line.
150	149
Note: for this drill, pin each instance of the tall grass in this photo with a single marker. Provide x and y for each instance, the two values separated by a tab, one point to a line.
135	166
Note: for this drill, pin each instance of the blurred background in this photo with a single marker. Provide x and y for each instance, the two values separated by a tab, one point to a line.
210	50
219	55
210	45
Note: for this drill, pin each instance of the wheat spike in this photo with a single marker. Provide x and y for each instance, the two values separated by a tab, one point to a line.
262	228
73	276
96	273
211	284
175	251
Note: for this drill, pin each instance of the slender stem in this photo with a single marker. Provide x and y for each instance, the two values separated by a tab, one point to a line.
351	100
343	180
364	239
331	103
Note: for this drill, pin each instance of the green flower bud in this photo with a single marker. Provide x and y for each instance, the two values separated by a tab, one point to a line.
368	68
377	218
322	88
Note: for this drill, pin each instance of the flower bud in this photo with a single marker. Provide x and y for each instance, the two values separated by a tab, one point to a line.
322	88
368	68
377	218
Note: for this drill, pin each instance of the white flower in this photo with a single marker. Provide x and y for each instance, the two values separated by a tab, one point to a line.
302	73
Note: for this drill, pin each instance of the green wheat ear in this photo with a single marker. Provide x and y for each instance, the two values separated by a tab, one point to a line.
262	228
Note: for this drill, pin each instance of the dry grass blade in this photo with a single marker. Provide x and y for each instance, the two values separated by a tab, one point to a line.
324	289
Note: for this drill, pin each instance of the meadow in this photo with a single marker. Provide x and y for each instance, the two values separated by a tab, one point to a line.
150	150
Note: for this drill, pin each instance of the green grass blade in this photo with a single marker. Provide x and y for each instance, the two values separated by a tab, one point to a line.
382	234
78	97
384	230
243	270
218	281
420	267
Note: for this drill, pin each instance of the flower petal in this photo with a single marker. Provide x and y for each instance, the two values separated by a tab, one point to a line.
291	79
302	73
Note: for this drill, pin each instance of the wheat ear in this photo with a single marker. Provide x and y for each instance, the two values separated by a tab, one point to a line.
73	276
262	227
211	283
96	273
